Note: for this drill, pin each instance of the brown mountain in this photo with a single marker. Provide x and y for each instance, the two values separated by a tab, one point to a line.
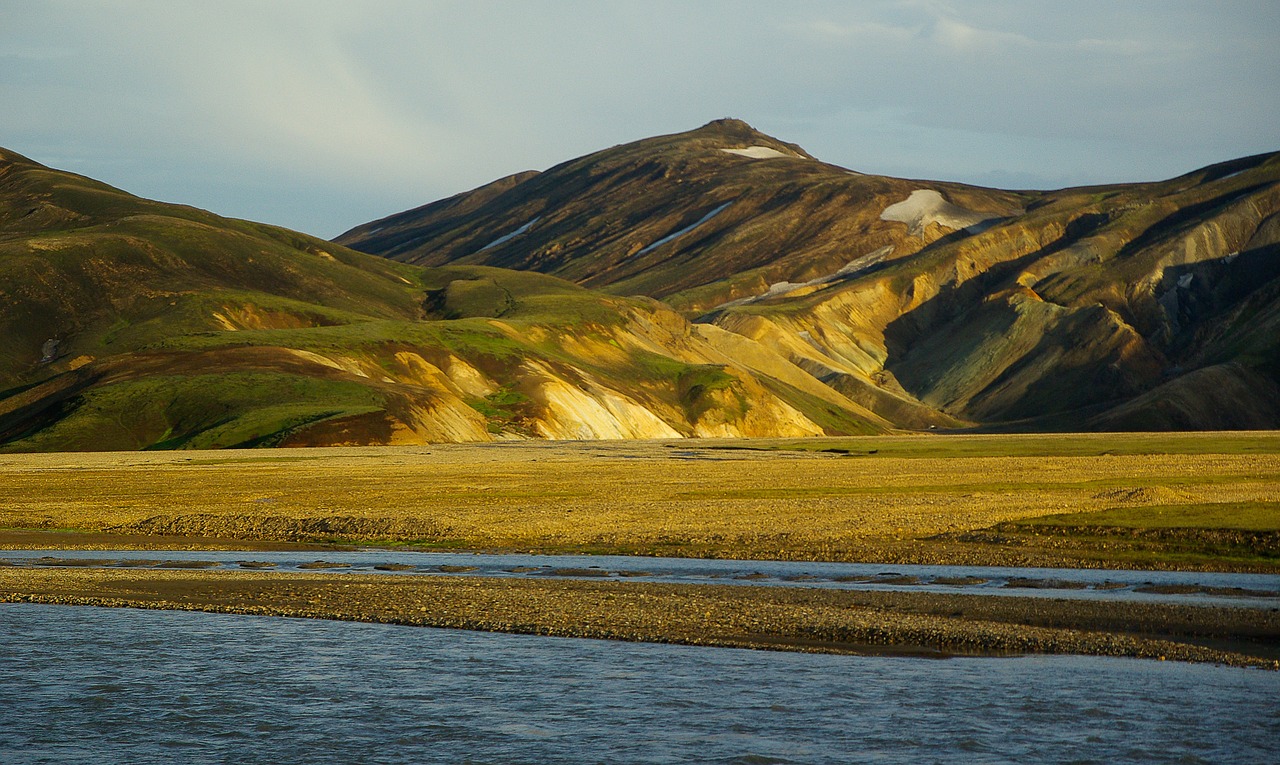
1134	306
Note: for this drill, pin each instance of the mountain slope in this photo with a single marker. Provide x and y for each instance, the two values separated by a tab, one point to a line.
695	219
932	304
1091	298
137	324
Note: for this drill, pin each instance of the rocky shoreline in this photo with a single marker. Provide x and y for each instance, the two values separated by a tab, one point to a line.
778	618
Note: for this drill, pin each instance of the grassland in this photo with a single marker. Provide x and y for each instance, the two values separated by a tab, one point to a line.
1197	501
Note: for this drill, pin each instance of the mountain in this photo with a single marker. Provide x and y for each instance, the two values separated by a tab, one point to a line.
1133	306
718	282
134	324
694	219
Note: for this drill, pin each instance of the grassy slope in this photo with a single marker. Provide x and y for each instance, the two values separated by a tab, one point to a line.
100	270
109	275
1238	516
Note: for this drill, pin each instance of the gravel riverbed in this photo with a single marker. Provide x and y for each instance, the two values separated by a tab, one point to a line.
780	618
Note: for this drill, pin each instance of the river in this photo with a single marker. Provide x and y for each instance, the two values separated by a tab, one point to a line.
91	685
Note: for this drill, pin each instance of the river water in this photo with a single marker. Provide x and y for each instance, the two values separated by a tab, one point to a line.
1194	588
91	685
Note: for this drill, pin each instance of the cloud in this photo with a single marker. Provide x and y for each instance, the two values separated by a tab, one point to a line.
1122	47
962	37
16	51
278	88
829	31
942	32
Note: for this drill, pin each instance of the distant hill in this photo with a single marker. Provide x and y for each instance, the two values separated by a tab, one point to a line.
133	324
1137	306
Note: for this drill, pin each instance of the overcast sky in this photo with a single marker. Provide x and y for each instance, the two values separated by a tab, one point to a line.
322	115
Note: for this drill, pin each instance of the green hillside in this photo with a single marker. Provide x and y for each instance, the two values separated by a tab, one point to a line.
134	324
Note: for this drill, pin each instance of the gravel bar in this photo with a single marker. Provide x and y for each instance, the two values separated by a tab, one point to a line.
779	618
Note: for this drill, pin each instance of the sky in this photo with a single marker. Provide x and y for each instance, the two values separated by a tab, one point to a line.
321	115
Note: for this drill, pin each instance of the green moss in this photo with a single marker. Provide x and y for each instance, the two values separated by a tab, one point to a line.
694	383
457	292
1243	516
652	366
504	409
198	412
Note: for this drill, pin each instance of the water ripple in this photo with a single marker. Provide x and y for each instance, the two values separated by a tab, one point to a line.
84	685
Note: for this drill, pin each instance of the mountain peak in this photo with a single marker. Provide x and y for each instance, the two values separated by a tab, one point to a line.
732	127
741	135
730	123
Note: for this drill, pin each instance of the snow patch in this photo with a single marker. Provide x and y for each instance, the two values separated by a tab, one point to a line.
508	237
686	229
758	152
926	206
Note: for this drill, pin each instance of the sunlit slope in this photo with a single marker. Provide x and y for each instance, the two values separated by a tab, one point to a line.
1149	306
1135	306
137	324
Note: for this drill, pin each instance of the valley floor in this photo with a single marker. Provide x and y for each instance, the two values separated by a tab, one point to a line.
1156	501
1172	501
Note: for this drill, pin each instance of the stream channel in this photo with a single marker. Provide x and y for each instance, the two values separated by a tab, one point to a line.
1192	588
